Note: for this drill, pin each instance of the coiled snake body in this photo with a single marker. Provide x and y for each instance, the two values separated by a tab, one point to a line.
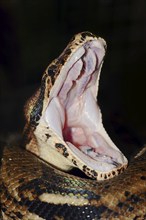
64	128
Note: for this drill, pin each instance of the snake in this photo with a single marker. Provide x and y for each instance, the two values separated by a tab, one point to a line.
64	131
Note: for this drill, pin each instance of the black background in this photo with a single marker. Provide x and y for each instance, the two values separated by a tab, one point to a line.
32	33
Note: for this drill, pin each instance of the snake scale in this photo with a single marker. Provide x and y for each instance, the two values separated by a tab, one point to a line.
64	130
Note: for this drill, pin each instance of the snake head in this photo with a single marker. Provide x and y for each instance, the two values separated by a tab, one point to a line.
65	115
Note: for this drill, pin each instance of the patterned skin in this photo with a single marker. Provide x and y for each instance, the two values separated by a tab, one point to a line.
64	122
31	188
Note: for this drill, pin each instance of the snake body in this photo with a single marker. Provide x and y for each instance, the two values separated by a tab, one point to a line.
64	130
32	189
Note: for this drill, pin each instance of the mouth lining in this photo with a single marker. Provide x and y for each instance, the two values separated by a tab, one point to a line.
73	112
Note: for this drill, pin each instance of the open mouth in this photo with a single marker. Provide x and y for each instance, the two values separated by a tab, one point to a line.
73	112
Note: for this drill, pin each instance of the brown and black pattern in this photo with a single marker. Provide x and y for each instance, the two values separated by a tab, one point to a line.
36	112
123	197
62	149
94	174
24	178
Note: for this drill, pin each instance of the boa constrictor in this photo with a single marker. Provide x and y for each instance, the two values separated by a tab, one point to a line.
64	128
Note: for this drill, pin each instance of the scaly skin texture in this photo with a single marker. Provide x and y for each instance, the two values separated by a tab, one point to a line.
41	139
32	189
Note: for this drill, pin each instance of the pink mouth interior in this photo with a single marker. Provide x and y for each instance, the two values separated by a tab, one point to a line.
73	112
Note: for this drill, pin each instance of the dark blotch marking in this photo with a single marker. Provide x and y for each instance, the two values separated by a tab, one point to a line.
98	197
134	199
120	204
105	176
143	177
19	215
130	209
61	60
94	173
51	73
65	154
119	171
101	210
21	180
84	168
63	148
87	168
48	136
88	173
68	51
127	193
4	209
74	162
143	169
85	34
37	109
37	117
14	200
59	146
82	39
107	186
113	173
51	70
